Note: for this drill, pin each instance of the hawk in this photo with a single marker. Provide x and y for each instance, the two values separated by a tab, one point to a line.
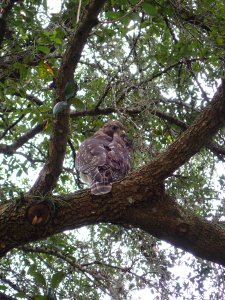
104	158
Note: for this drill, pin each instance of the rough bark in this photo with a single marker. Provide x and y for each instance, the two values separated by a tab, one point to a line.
4	15
168	221
144	208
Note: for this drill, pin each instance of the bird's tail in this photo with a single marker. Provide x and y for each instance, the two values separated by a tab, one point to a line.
100	188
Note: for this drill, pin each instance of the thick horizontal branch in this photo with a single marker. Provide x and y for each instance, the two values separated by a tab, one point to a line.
141	206
103	111
168	221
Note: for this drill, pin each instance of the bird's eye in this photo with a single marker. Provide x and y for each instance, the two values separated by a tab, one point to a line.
114	127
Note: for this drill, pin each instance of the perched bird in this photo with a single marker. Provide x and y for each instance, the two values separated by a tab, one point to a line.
104	157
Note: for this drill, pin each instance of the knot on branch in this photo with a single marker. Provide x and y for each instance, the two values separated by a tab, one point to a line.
38	214
154	192
182	229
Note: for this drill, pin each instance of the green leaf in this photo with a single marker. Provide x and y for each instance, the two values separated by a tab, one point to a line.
220	40
114	15
70	89
20	295
38	277
150	9
77	103
59	107
19	173
3	288
44	49
56	279
39	297
42	71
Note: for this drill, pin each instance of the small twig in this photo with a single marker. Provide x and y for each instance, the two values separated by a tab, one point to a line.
73	152
78	11
29	158
76	175
170	30
28	135
11	126
106	90
204	94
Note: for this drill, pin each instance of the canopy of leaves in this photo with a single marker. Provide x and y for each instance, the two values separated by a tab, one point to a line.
154	65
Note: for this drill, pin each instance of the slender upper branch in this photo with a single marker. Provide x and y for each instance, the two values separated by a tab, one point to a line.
10	149
77	41
57	146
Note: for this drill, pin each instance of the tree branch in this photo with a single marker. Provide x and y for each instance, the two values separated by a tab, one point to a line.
217	150
6	297
103	111
158	215
168	221
11	149
11	126
5	10
57	147
12	285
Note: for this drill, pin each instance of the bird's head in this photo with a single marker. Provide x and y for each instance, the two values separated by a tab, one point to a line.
113	127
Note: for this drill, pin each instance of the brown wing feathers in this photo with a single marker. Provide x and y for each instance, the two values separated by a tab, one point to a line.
104	158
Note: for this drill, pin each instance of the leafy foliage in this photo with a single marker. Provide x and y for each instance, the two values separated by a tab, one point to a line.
155	64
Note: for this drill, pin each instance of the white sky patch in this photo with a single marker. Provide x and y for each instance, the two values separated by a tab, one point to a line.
54	6
133	69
